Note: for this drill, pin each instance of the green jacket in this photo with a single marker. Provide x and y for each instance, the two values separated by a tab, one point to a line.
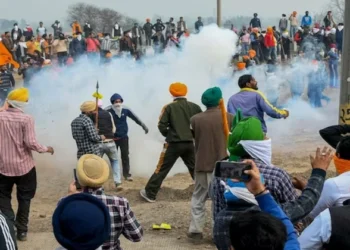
174	121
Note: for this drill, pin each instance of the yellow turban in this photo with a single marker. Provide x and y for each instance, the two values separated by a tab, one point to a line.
19	95
88	106
178	89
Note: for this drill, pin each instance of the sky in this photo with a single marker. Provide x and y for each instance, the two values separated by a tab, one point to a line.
47	10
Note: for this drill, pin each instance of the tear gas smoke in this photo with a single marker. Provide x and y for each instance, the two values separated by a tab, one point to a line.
57	96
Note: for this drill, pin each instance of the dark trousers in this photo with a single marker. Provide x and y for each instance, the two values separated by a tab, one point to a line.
26	187
171	152
137	42
148	39
62	58
123	144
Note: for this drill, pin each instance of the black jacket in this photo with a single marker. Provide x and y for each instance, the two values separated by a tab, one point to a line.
105	126
147	27
255	22
158	27
198	25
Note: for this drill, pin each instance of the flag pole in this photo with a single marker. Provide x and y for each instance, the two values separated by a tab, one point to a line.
97	94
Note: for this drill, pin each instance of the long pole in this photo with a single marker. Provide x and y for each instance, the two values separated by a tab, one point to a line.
218	12
344	101
97	87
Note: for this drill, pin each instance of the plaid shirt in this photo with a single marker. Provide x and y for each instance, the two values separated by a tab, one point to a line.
86	136
277	182
295	210
122	219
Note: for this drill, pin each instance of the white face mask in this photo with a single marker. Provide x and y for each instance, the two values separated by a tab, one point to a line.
117	105
315	68
16	27
79	37
333	49
116	26
107	37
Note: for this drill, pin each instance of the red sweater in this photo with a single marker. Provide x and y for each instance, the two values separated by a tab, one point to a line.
269	40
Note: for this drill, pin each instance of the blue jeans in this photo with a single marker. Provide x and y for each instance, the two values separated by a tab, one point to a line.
3	95
333	74
110	149
293	30
272	53
245	48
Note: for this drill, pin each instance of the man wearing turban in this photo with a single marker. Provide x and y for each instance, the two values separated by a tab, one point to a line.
210	130
85	133
17	165
174	125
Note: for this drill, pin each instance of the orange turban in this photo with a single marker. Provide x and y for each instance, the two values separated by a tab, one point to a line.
6	57
245	58
240	66
252	53
269	30
178	89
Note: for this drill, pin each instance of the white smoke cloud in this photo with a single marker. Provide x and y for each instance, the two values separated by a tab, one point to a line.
56	97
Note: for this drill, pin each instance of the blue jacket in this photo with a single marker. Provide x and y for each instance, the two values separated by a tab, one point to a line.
268	205
121	124
333	57
306	21
253	103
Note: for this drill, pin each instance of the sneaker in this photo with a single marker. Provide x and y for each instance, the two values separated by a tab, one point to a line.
118	186
195	236
144	195
129	178
22	236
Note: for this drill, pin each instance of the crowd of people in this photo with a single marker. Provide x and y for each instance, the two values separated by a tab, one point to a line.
262	212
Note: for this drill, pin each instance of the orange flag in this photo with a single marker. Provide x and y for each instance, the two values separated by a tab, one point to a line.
6	57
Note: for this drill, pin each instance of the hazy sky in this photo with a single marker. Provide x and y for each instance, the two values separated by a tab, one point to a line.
36	10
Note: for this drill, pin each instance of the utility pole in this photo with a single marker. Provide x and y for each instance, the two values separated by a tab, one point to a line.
344	100
218	12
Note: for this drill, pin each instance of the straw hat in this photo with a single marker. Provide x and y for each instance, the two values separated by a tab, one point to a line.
92	171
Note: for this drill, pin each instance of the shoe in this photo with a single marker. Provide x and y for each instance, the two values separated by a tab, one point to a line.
118	186
22	236
129	178
195	236
144	195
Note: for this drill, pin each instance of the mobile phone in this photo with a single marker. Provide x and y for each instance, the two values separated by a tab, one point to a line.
232	170
77	184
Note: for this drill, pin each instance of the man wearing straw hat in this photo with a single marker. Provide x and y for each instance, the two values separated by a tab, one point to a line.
84	131
92	173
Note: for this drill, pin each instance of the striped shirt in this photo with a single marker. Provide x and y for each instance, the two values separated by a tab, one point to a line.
106	44
17	142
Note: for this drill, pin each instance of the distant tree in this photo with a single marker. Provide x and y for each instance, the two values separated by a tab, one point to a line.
6	25
338	9
108	18
101	20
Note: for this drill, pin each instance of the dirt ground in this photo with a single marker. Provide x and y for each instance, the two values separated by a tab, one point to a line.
172	206
290	151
